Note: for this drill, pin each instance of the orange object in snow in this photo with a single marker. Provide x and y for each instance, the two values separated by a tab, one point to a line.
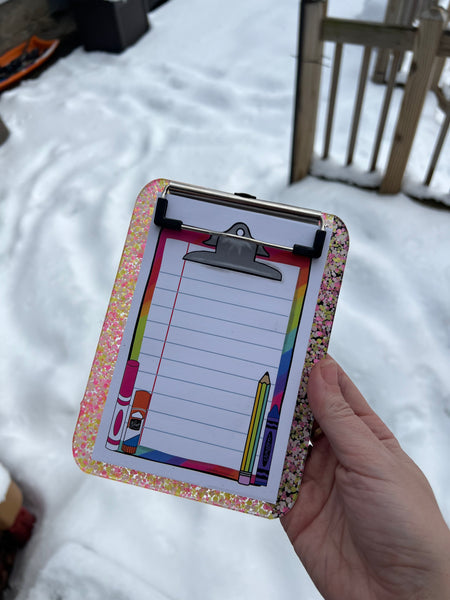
24	58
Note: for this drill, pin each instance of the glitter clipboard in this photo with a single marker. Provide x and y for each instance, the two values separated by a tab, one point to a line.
221	305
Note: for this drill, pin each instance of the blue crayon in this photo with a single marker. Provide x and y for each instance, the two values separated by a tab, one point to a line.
267	446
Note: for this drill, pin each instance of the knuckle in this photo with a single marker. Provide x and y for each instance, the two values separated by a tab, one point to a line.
337	407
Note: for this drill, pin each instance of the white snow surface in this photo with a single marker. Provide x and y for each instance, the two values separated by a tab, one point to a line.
5	481
205	97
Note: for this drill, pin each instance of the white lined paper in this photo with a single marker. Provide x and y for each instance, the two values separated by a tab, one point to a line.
218	331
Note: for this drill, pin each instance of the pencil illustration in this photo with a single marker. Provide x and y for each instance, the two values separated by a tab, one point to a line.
254	430
122	404
136	421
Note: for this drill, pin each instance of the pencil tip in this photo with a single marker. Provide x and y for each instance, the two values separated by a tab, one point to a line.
265	378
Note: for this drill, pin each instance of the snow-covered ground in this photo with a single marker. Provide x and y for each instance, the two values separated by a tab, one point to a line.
205	97
5	482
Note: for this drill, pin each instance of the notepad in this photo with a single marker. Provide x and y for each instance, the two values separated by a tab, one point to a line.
205	381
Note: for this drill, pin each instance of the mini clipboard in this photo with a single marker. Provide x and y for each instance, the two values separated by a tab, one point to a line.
221	305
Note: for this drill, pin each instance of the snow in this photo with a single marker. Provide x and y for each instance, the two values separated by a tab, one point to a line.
59	579
5	481
205	97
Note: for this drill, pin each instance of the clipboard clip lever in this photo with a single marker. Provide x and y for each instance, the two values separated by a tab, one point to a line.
160	219
314	251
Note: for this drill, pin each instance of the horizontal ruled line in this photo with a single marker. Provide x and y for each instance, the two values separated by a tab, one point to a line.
210	387
252	362
217	301
189	312
159	412
237	412
188	364
222	337
222	285
176	435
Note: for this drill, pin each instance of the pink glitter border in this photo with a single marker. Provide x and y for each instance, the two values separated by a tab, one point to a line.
108	347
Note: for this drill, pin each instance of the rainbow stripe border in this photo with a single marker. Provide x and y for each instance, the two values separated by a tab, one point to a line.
108	348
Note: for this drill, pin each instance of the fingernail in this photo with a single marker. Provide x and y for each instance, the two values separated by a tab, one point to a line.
328	370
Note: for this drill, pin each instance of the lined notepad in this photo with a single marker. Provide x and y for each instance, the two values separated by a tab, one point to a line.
210	336
205	385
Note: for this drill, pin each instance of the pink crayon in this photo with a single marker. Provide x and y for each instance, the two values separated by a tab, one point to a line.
122	404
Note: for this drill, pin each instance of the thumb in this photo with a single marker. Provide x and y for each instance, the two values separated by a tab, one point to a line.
353	442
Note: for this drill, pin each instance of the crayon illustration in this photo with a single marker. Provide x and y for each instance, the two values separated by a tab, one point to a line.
267	446
254	430
122	404
135	425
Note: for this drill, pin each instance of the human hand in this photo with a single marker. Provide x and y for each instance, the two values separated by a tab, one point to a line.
365	525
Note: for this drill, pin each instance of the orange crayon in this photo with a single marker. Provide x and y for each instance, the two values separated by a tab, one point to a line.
136	421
